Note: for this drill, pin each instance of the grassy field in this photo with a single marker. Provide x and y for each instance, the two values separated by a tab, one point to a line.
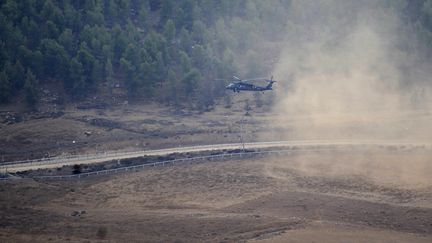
378	195
373	195
125	127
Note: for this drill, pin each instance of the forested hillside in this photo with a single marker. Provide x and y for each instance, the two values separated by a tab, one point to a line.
160	50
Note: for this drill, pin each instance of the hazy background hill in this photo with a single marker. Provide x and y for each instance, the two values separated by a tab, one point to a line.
158	50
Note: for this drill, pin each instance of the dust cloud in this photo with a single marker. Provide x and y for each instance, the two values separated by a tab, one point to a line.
351	70
354	70
402	169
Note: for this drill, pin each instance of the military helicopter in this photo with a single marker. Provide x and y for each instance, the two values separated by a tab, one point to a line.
244	84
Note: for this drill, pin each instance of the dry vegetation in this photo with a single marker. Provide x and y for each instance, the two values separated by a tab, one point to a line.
375	194
125	127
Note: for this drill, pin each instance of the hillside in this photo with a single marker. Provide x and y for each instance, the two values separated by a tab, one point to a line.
154	50
167	51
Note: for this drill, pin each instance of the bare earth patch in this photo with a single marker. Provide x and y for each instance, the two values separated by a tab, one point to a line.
305	196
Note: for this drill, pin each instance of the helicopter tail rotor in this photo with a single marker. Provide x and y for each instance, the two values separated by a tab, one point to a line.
271	80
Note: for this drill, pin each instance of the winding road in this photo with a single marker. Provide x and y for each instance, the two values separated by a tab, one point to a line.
56	162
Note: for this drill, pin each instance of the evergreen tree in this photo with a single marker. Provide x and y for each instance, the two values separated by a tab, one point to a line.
109	75
186	42
154	46
30	89
55	58
206	100
143	17
200	57
18	76
88	62
171	96
185	62
5	87
167	11
190	81
66	39
169	31
130	77
185	16
76	83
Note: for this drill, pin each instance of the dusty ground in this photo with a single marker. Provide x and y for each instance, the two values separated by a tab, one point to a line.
374	195
101	128
123	127
377	195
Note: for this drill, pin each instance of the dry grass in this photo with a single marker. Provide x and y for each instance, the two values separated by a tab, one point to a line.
294	198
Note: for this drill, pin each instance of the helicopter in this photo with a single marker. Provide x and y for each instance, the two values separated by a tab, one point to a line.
243	84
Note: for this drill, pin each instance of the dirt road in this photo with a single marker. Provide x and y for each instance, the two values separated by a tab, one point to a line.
56	162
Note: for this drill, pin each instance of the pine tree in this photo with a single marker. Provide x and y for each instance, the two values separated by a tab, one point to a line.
171	89
88	62
186	42
109	75
185	62
131	81
76	82
143	17
186	16
167	10
5	87
18	76
55	58
30	89
190	81
66	39
205	97
169	31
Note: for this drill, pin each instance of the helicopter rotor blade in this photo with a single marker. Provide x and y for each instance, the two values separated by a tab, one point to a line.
237	78
254	79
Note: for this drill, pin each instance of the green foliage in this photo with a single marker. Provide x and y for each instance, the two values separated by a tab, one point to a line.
67	40
169	31
76	81
30	89
5	87
16	74
130	79
55	59
185	62
109	74
190	81
158	50
171	95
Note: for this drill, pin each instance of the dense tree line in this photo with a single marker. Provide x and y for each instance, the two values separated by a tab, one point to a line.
163	50
168	50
